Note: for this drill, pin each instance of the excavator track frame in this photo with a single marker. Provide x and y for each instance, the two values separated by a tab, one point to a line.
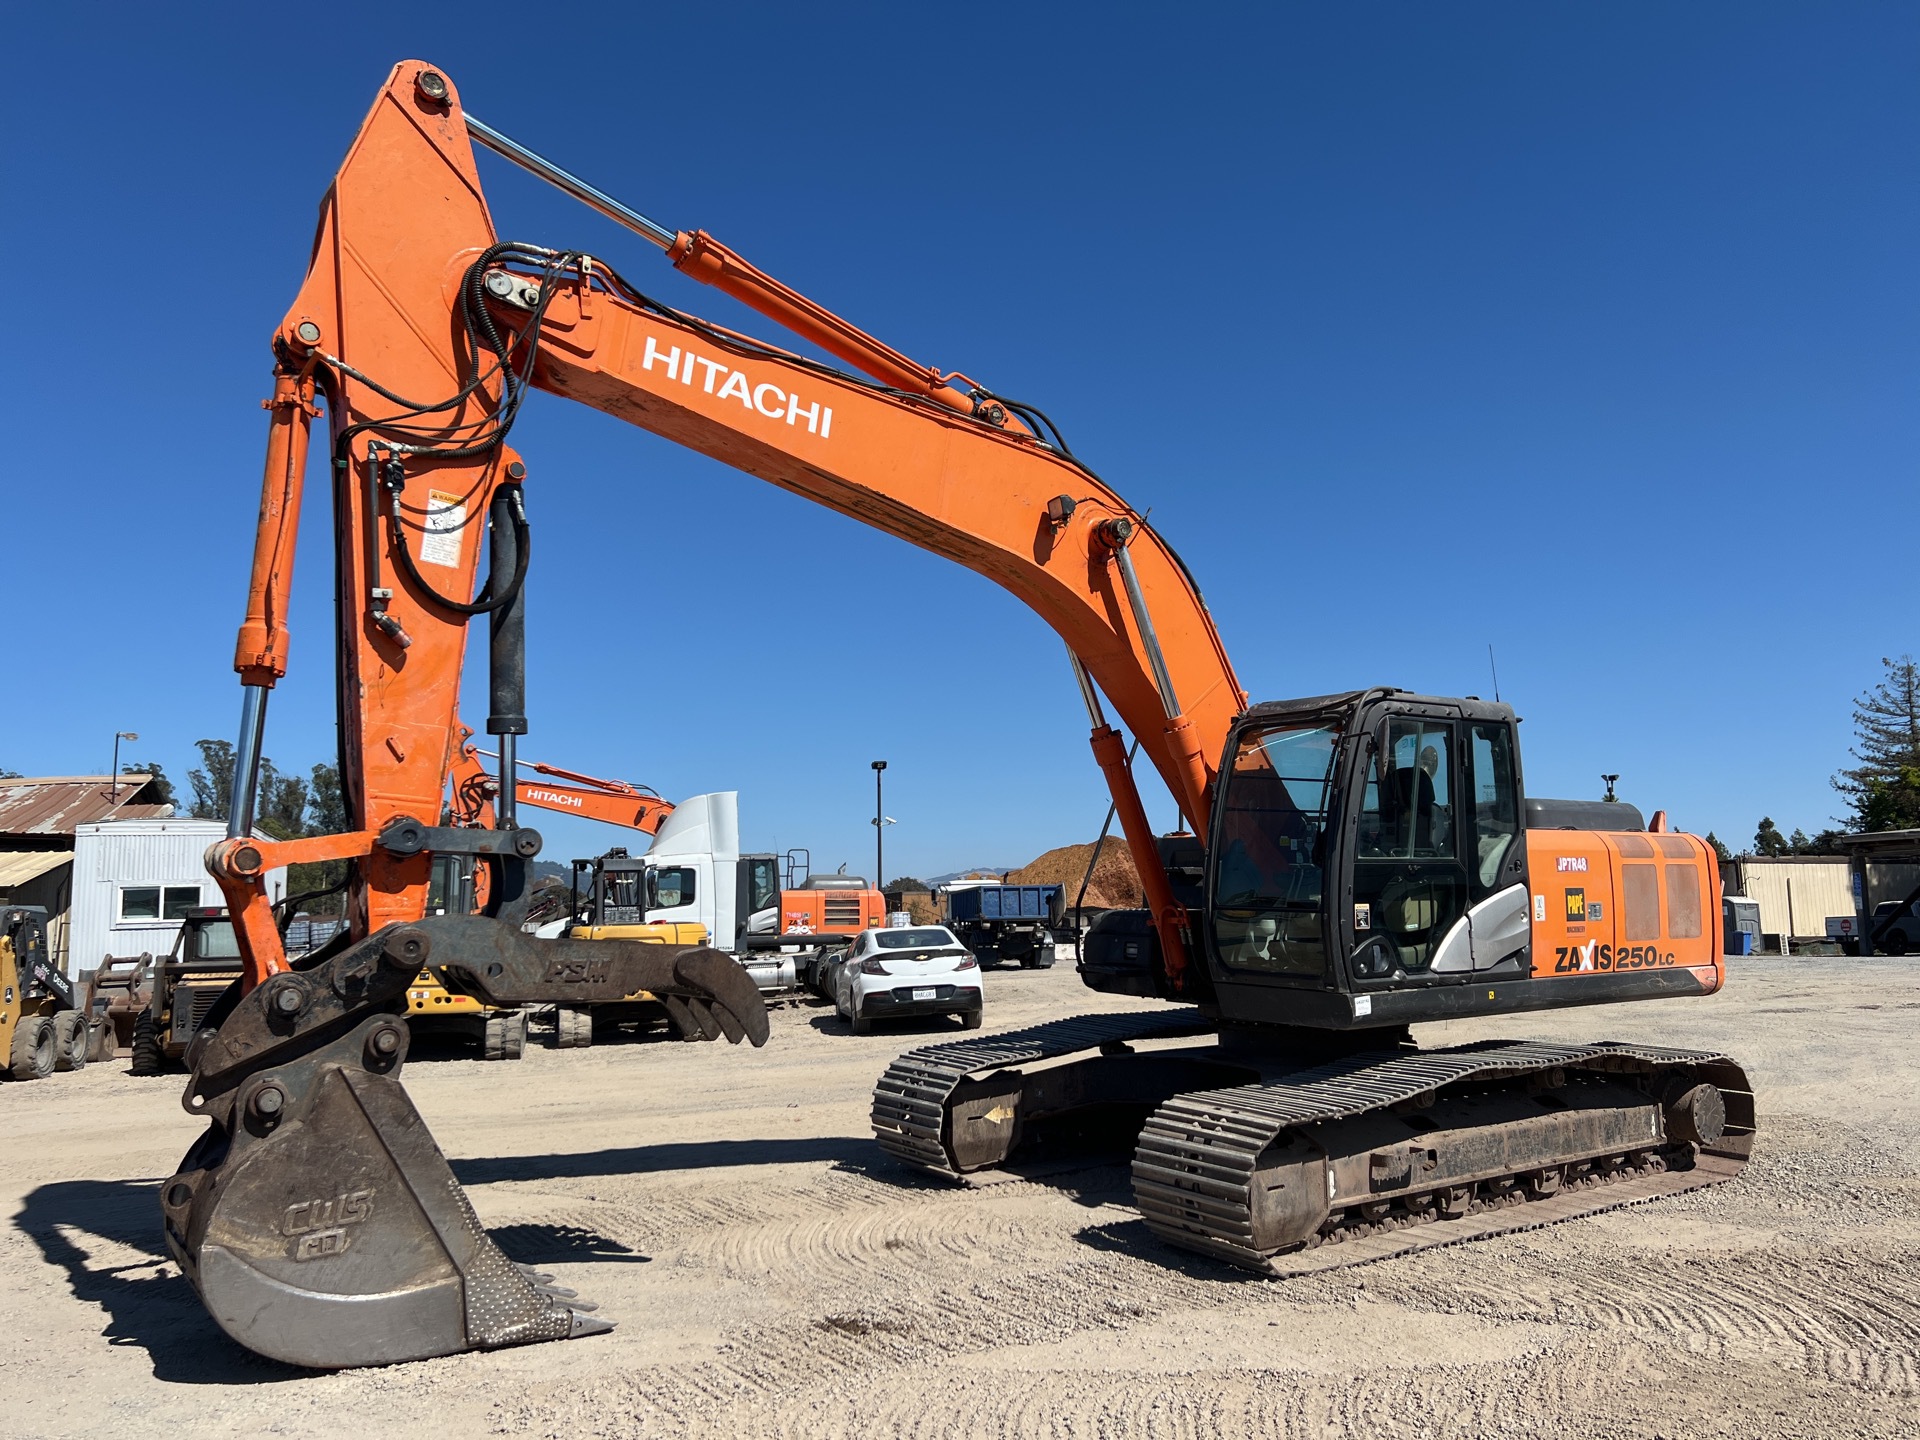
1203	1163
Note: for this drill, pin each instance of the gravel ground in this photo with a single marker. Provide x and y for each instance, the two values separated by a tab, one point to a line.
774	1275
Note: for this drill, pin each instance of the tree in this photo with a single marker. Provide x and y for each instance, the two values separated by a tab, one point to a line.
157	782
1884	788
1889	803
326	815
906	882
6	774
1726	855
213	786
280	803
1767	840
326	802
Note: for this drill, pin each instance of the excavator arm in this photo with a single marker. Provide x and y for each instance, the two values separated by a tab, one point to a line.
424	334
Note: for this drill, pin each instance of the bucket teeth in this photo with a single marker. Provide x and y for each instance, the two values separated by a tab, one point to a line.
588	1325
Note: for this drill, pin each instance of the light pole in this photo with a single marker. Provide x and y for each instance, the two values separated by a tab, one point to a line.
113	788
879	829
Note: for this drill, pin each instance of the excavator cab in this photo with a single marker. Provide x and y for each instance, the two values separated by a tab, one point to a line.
1372	861
1363	844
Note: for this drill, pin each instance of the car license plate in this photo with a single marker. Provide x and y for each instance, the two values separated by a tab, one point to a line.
925	994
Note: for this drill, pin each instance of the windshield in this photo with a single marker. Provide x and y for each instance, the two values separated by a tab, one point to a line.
1270	852
216	942
913	939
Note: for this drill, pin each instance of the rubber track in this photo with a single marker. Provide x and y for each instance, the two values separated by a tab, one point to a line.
909	1103
1193	1169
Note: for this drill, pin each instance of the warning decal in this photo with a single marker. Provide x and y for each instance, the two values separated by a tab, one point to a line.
446	522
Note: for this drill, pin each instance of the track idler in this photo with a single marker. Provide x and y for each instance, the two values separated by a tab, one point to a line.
316	1217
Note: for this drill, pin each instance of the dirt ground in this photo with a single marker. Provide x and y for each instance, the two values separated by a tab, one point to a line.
774	1275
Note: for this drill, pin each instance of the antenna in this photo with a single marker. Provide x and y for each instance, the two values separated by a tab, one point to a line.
1496	674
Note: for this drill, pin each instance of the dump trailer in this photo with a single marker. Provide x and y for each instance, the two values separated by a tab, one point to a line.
1006	922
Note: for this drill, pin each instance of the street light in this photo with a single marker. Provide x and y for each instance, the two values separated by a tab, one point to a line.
880	823
113	789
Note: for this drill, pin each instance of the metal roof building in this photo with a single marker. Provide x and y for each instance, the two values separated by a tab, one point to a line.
57	805
39	816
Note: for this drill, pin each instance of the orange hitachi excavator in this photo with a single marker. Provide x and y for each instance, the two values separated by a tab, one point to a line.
613	802
1352	864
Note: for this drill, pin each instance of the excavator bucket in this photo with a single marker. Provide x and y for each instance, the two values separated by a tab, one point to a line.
316	1216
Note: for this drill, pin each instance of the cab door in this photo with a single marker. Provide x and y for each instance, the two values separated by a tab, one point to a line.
1410	884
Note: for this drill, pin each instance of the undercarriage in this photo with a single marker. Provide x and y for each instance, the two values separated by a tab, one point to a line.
1279	1156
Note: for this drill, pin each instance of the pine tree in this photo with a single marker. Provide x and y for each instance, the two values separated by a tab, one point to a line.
1767	840
1719	848
1884	788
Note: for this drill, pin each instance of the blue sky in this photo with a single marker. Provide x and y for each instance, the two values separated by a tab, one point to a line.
1585	332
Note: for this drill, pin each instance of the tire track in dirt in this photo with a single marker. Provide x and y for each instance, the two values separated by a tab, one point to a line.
1525	1398
1851	1319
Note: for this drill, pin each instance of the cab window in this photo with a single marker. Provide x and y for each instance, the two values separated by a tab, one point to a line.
1496	806
1270	850
672	886
763	885
1407	811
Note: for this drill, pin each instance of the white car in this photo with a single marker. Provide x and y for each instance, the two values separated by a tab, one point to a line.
918	970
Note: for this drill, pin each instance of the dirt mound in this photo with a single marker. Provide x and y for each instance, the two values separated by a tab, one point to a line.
1115	884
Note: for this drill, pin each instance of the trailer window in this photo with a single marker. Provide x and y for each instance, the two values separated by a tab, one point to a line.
157	902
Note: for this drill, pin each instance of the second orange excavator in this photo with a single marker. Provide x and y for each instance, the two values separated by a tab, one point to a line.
1350	865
